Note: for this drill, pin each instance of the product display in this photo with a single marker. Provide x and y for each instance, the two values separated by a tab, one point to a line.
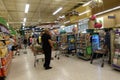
71	43
83	46
95	42
116	49
5	54
63	38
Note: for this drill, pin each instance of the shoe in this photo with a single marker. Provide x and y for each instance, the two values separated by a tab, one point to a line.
44	66
52	58
47	68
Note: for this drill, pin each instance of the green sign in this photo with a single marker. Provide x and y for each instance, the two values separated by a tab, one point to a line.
3	22
12	31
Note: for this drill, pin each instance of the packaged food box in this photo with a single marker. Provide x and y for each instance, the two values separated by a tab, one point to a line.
1	44
118	62
1	73
3	51
115	61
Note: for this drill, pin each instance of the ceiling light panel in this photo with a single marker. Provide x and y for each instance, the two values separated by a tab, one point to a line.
27	8
58	10
24	19
84	12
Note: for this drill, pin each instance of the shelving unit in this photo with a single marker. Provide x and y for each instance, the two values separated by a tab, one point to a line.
83	46
5	64
5	55
115	49
68	40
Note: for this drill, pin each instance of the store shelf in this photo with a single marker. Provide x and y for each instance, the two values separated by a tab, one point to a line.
82	46
6	62
83	57
115	40
116	66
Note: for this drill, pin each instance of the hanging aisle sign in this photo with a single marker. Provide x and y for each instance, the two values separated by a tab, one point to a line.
83	25
111	17
96	3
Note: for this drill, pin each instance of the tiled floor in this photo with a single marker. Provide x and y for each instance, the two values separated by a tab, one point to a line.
66	68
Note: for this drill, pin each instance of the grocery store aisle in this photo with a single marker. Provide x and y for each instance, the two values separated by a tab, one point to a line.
66	68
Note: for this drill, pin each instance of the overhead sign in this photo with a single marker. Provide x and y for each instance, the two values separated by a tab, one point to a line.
111	17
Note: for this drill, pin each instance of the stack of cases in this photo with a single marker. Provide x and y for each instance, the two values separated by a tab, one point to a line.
116	59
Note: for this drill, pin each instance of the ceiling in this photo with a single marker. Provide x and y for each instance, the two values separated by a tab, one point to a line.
39	11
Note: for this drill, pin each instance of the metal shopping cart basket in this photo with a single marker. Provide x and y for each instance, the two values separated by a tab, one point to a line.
37	51
61	49
104	52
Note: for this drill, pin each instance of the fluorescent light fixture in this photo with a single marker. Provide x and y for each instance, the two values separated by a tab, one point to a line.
86	3
23	24
75	25
66	22
115	8
58	10
84	12
27	8
24	19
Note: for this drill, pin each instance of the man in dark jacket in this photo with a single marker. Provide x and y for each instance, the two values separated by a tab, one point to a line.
107	44
47	46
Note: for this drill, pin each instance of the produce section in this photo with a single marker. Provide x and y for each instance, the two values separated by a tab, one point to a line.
5	57
5	49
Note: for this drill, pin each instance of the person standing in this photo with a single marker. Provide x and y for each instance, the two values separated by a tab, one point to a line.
107	44
12	42
47	46
25	42
30	40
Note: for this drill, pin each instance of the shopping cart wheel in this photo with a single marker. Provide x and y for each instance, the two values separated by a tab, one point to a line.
102	65
37	60
91	62
72	54
58	58
2	78
67	55
42	60
34	64
55	56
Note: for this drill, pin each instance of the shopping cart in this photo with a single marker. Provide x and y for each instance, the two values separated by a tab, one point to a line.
25	48
103	52
61	49
16	49
19	48
37	52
